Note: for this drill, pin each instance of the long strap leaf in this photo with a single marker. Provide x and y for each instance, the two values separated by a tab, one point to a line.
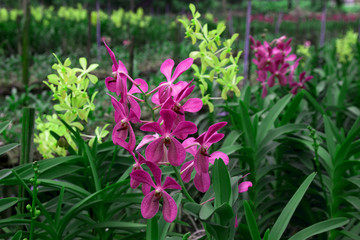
285	216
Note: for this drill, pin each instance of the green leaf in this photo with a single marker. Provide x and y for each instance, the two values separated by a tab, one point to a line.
291	110
319	227
152	229
6	203
17	235
93	167
206	211
250	219
225	213
273	114
69	186
163	225
120	225
7	148
192	8
4	125
83	63
285	216
221	183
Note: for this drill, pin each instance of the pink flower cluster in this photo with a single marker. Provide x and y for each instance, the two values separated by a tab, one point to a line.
170	142
274	61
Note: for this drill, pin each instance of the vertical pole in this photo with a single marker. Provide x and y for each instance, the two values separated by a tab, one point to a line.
98	30
278	22
25	44
247	35
323	27
89	33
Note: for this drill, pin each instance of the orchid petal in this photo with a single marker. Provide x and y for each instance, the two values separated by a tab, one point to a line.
166	68
193	105
145	188
170	183
176	152
192	150
202	182
201	162
219	155
169	208
143	86
185	127
214	128
182	67
244	186
135	108
271	80
216	137
169	118
112	55
152	127
147	139
132	139
150	205
156	171
142	177
155	151
110	84
186	169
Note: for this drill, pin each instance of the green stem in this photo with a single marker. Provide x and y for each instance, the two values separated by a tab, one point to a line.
178	177
33	205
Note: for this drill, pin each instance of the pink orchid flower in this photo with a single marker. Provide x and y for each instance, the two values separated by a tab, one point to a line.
278	73
136	166
123	129
166	149
146	139
188	167
150	203
191	105
167	89
202	158
301	84
118	84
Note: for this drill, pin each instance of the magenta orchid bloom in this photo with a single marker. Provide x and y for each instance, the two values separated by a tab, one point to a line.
136	166
146	139
118	84
150	203
167	89
244	186
166	149
123	129
202	158
187	168
191	105
301	84
278	73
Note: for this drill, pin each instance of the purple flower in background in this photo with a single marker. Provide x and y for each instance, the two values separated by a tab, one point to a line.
150	203
301	84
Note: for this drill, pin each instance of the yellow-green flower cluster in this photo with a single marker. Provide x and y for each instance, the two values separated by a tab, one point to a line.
133	19
217	61
344	46
74	14
69	87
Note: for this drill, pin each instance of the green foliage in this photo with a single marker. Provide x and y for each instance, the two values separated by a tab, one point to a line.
215	54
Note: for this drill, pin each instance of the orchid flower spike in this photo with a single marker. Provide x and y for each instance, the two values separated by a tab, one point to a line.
150	203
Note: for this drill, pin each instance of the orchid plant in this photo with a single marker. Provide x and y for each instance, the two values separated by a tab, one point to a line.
172	142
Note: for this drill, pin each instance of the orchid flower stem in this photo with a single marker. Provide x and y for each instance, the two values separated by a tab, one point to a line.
209	200
177	173
112	163
145	96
